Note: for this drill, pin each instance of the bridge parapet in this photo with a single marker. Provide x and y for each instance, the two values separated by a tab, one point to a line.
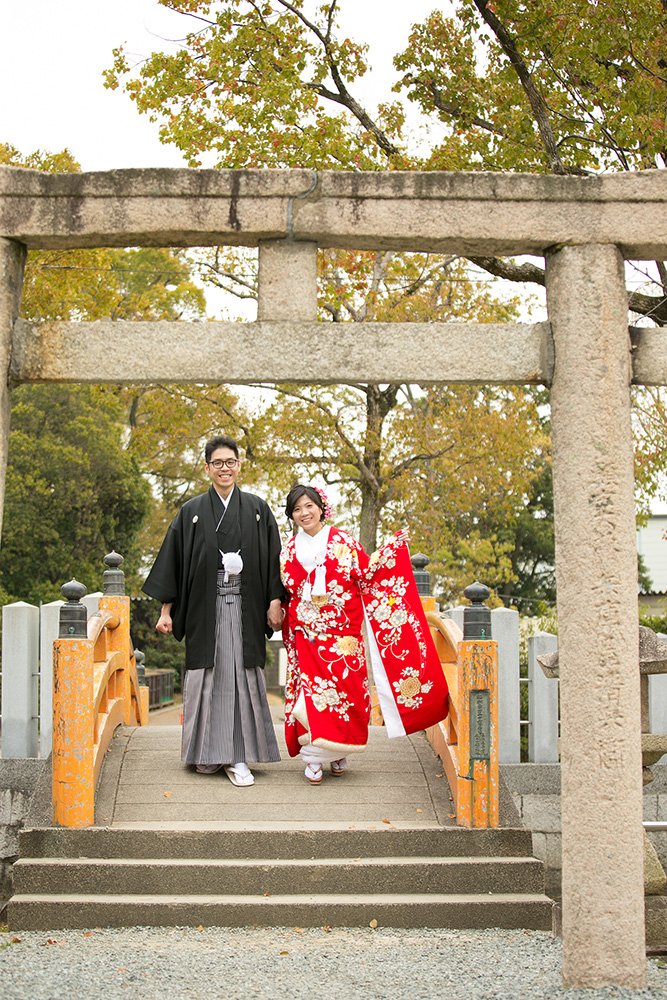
95	689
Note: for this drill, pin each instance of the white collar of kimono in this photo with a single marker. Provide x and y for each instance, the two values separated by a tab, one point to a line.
225	500
311	552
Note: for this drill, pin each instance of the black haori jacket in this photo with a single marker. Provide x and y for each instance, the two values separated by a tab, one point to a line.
186	568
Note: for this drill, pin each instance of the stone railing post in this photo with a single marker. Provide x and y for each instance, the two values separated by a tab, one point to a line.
49	630
20	667
542	703
73	753
596	579
657	698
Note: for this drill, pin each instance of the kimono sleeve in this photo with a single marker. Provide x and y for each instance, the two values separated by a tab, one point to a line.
274	589
410	682
164	580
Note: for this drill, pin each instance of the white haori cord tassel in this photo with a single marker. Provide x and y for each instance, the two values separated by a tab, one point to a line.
232	563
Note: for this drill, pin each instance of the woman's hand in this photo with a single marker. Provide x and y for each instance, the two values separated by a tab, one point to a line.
275	615
165	623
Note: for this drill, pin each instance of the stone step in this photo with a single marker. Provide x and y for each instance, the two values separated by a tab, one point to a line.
506	910
386	875
275	841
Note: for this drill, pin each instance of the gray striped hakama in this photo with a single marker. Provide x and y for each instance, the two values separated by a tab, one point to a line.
226	716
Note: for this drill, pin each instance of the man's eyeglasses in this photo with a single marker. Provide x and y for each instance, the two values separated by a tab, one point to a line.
227	463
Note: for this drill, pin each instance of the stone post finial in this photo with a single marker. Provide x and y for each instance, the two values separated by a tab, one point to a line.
113	577
422	576
477	617
140	658
74	614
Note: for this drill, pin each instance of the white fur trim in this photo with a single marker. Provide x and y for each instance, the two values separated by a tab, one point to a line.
341	749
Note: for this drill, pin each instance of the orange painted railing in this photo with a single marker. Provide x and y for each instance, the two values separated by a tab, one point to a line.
95	689
467	740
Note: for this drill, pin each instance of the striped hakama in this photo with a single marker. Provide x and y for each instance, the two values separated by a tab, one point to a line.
226	716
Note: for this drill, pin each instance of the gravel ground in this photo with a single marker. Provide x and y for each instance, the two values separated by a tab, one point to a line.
274	963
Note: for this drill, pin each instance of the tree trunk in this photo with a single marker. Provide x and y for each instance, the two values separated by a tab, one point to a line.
378	404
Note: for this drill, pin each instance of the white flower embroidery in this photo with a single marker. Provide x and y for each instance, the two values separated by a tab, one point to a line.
399	617
409	688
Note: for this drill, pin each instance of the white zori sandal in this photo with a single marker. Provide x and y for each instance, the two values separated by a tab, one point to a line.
313	773
338	766
240	775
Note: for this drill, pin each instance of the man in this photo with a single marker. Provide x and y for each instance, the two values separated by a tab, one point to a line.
217	575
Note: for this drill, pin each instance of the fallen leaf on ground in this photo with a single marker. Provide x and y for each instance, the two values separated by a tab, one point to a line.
451	815
299	930
88	934
168	795
201	927
373	924
284	953
386	821
327	928
420	810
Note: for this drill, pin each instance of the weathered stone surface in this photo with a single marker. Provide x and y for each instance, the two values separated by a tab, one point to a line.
649	356
447	212
287	282
541	812
125	352
655	879
18	780
596	573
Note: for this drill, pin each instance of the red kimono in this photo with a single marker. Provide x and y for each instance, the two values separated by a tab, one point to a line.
327	700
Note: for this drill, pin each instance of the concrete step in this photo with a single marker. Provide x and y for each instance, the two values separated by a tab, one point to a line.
507	910
375	876
274	840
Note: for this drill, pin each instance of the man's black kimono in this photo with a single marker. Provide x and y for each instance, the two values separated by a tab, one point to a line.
186	569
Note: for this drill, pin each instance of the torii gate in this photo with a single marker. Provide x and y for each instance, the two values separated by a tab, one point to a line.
585	353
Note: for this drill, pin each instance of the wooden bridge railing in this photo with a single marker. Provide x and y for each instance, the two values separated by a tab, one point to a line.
95	689
467	740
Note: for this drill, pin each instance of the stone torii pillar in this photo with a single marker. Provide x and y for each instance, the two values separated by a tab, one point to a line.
596	576
12	263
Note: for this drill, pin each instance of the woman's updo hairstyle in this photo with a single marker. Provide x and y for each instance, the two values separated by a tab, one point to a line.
295	495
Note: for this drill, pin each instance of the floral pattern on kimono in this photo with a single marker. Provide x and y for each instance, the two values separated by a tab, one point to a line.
327	701
410	682
326	695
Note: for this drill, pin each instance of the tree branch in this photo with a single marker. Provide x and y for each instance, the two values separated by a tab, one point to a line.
343	96
294	394
654	306
508	269
537	105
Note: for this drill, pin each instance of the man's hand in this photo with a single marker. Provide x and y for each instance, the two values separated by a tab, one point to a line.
275	615
164	623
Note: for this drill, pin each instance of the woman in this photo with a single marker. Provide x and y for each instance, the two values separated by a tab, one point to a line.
332	588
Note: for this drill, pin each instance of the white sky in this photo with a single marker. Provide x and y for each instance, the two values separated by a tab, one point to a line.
54	53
